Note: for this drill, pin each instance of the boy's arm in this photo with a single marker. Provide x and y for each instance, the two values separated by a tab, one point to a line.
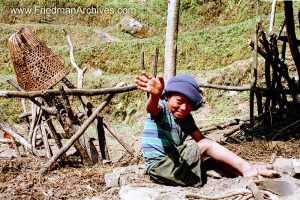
155	87
152	105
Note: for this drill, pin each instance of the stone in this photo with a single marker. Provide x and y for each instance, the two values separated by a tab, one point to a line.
284	165
296	166
111	180
151	193
136	28
124	175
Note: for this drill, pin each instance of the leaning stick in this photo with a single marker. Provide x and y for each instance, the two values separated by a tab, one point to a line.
75	137
33	119
119	139
6	141
46	141
18	138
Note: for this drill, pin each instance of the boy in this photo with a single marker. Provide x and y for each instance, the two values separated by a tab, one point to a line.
169	122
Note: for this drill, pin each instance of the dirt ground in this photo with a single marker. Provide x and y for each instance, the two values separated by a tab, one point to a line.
19	177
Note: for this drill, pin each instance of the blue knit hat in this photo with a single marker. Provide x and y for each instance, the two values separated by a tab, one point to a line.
187	86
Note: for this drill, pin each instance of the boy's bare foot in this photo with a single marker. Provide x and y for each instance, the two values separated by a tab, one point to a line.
264	171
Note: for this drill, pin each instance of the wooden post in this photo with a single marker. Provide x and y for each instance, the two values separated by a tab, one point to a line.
155	60
290	28
259	102
171	39
143	62
272	20
101	139
252	91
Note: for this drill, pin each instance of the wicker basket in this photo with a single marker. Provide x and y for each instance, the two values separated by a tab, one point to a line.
36	66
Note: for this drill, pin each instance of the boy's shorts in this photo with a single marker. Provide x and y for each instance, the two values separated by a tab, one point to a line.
180	168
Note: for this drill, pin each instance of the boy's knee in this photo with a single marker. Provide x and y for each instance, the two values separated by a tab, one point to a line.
204	145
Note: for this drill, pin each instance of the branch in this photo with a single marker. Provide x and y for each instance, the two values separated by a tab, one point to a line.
75	92
221	87
79	71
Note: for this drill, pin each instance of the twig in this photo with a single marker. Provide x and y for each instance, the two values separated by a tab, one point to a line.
233	130
6	141
296	122
222	196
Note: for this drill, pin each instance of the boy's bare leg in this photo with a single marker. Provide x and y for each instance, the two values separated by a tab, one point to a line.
222	154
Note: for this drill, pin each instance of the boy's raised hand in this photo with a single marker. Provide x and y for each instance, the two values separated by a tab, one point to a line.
148	83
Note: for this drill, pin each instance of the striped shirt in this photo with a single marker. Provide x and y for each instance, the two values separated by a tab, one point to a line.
163	133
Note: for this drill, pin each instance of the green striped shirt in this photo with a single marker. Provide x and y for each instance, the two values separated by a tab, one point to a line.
163	133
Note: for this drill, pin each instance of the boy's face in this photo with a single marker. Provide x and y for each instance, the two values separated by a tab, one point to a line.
179	105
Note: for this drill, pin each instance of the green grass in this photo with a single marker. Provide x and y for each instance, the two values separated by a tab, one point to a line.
203	41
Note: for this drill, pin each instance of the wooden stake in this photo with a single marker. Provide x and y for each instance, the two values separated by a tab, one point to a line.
143	62
119	138
101	139
259	102
252	107
155	60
